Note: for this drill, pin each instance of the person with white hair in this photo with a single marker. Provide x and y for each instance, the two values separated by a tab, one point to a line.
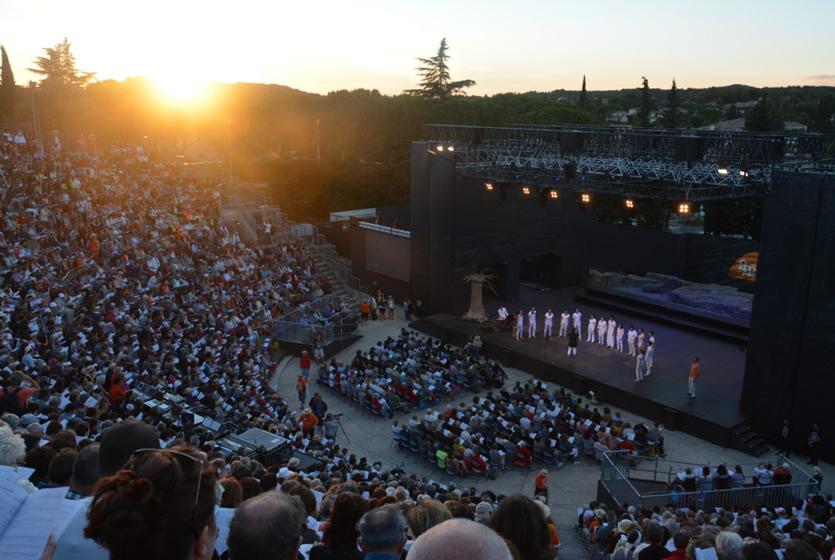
12	446
729	546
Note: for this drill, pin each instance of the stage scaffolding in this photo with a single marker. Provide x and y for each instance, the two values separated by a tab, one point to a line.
666	164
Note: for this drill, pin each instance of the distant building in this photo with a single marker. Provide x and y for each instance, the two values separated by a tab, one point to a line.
794	125
622	116
742	106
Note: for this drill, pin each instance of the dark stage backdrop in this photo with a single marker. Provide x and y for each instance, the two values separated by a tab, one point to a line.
457	227
790	367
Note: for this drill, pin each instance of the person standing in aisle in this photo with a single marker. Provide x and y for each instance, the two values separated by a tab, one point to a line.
549	324
639	366
301	387
591	328
532	323
520	326
785	445
577	319
610	332
573	340
619	337
564	323
304	364
631	337
695	371
648	357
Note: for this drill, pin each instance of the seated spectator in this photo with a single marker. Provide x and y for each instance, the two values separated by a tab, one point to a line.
341	535
383	533
85	472
522	523
267	527
457	539
426	515
161	505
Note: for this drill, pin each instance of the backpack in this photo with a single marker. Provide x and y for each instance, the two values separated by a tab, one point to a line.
9	403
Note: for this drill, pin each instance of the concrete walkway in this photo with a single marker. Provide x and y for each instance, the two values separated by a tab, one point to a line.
571	486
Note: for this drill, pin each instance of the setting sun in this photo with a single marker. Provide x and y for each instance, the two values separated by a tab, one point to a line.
182	89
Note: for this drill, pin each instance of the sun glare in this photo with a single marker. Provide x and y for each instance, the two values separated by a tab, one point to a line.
182	89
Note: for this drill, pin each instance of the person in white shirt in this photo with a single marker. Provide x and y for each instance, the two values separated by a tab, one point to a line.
564	317
577	319
602	325
631	337
549	324
532	323
520	326
639	366
591	329
650	354
503	313
641	337
651	338
610	332
619	337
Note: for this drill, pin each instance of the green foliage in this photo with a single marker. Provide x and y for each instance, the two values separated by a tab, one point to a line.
435	80
584	95
671	115
646	103
7	87
763	117
58	68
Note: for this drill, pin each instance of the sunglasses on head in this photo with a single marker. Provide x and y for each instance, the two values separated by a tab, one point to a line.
180	454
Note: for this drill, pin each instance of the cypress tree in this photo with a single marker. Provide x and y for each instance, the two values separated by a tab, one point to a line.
646	103
584	98
671	119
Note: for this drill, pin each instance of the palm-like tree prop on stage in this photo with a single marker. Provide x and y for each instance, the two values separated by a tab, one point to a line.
477	281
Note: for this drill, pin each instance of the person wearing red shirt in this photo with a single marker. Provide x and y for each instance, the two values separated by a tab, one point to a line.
308	421
304	364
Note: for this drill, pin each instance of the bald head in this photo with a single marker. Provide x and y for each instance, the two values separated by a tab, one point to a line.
459	538
267	527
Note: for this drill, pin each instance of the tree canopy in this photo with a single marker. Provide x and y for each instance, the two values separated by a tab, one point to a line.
58	67
436	82
671	116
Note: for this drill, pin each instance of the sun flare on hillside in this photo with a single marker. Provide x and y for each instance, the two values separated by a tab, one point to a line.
182	89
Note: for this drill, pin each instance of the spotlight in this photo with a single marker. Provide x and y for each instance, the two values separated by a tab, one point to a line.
489	187
440	147
722	171
743	173
554	194
585	198
629	203
450	148
683	208
526	191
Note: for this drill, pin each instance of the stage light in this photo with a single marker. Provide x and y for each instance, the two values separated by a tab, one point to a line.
683	208
629	203
440	147
585	198
743	173
488	187
526	191
554	194
450	148
722	171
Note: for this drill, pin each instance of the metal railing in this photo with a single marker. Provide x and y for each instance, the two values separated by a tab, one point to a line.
329	317
620	471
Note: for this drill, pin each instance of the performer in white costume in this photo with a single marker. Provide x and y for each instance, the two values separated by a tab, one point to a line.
532	323
592	329
549	324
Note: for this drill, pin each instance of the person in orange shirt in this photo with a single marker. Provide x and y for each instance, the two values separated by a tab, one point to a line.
365	310
541	484
117	393
94	247
308	421
301	387
695	370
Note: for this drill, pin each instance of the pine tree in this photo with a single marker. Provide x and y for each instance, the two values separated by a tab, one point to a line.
7	87
763	117
435	78
584	96
646	103
671	116
58	67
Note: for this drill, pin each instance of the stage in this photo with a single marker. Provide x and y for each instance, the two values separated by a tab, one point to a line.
713	416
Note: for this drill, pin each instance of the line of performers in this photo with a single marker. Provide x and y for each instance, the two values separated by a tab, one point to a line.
605	332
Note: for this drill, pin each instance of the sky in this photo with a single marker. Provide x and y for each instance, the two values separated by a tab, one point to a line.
505	46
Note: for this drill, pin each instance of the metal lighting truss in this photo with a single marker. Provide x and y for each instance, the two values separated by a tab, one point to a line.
649	163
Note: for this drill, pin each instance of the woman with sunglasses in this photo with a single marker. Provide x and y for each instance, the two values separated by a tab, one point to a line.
160	506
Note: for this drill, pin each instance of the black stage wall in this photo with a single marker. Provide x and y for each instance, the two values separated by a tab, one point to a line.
456	226
791	353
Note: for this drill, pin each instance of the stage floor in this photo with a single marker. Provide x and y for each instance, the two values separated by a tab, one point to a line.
661	396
